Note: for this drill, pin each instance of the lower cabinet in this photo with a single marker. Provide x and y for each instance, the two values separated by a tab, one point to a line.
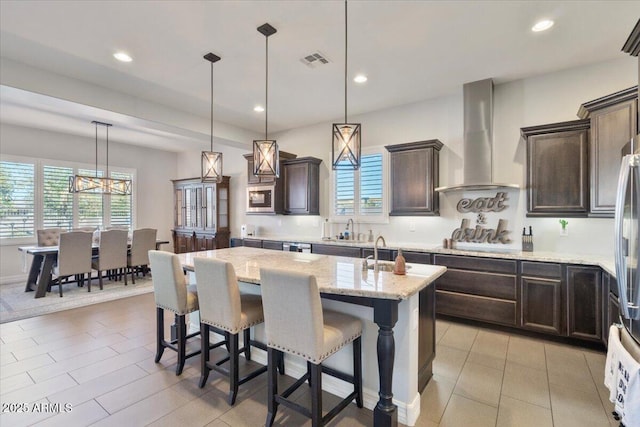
584	302
252	243
182	242
199	241
541	295
477	288
272	244
350	251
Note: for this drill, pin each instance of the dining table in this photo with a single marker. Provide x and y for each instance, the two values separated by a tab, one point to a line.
44	258
391	301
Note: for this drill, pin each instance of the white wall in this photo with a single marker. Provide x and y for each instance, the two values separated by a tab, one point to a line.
543	99
154	169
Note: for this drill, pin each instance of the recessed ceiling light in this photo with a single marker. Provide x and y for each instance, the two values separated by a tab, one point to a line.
360	78
543	25
258	109
123	57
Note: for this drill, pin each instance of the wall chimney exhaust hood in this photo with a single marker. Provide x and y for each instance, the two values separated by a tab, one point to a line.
478	139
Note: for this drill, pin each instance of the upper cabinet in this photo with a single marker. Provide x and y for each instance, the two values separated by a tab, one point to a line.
414	177
201	215
253	179
613	124
557	169
302	186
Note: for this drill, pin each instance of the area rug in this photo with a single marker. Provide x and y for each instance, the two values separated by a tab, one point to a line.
16	304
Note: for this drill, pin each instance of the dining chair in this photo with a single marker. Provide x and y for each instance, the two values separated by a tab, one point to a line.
172	293
74	258
295	323
49	236
225	309
143	241
112	253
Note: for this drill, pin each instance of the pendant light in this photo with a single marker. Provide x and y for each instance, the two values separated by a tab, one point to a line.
211	161
100	184
346	136
266	156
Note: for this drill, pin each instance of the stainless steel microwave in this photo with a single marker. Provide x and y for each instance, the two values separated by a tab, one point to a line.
261	199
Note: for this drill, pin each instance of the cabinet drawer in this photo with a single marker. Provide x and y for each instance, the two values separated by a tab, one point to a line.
348	251
478	264
478	283
541	269
383	254
253	243
476	307
272	244
414	257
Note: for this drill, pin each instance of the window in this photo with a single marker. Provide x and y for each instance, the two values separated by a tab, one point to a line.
120	205
360	194
17	206
35	194
57	202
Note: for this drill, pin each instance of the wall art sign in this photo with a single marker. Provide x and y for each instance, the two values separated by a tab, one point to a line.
481	234
483	204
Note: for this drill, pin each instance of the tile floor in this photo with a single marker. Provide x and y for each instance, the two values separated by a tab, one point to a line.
99	361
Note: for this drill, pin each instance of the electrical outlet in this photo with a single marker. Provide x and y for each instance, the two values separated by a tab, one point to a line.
412	226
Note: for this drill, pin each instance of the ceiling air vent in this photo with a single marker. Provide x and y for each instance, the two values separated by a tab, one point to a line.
314	59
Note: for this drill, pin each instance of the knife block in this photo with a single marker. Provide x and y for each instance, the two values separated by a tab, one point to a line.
527	244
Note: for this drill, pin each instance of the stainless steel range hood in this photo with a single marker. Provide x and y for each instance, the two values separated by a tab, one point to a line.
478	139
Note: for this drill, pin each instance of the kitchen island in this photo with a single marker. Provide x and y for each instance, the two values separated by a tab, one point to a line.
386	303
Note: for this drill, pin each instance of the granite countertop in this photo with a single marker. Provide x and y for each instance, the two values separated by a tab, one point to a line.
605	262
335	275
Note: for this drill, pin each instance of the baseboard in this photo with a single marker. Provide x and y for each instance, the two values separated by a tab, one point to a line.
5	280
408	413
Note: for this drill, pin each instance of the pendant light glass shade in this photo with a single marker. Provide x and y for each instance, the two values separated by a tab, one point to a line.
211	161
266	156
346	145
346	136
100	184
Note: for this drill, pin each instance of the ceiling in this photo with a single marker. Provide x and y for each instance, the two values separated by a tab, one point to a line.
410	50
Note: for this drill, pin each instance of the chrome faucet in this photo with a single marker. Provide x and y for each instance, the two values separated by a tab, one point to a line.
375	251
365	264
351	230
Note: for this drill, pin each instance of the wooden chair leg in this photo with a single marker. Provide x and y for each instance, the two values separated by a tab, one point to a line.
357	370
100	279
60	287
159	333
281	363
247	343
272	385
124	273
88	282
133	276
233	368
204	354
316	395
182	342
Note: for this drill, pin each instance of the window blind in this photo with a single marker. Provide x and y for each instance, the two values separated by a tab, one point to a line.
121	204
57	202
17	207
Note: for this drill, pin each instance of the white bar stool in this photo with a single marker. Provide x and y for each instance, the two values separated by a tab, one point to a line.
225	310
296	323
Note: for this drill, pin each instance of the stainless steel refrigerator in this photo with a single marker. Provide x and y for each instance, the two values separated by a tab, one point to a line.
627	236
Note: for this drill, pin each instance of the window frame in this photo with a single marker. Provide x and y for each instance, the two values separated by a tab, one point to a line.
357	217
39	164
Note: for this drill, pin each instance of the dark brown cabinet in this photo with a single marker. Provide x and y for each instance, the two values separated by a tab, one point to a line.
414	173
251	178
613	124
201	215
584	302
541	293
272	244
349	251
477	288
558	169
302	186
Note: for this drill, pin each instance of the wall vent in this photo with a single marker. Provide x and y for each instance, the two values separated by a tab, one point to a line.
314	59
